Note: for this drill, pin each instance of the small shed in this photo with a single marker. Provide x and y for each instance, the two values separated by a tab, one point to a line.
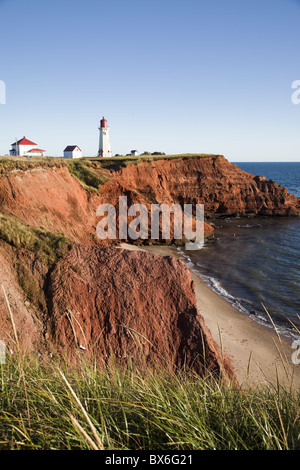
72	151
134	152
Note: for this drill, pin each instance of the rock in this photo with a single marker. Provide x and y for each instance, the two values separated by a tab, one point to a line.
222	187
115	303
130	304
27	325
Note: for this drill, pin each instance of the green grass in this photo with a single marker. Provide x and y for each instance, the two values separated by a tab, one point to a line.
117	163
24	164
52	406
47	246
30	286
87	177
84	169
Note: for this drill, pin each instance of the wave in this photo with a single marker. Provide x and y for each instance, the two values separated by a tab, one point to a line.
237	303
212	282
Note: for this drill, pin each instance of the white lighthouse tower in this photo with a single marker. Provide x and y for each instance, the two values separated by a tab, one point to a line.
104	144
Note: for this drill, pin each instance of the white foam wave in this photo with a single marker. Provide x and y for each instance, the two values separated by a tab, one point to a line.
216	286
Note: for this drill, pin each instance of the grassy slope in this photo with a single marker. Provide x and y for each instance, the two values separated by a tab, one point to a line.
54	406
23	163
47	246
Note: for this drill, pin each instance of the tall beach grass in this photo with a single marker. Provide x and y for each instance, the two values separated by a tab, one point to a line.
52	405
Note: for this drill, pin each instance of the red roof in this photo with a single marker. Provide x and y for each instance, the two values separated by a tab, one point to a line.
103	122
24	141
36	150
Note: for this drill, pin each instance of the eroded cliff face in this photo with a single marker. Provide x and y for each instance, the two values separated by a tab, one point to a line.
21	323
222	187
111	302
107	301
52	198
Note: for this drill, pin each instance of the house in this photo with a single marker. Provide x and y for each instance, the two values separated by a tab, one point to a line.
35	153
134	152
72	151
25	148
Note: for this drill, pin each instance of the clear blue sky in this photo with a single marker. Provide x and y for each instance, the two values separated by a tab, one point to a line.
174	76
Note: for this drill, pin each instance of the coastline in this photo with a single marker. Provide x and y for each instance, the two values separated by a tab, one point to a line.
259	356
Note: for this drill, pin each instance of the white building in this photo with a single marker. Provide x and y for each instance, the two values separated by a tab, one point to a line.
25	148
35	152
134	152
72	151
104	143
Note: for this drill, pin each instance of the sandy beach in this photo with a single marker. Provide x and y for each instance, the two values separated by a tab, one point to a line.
259	356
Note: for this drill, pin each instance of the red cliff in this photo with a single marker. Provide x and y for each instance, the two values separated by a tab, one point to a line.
52	198
111	302
222	187
107	301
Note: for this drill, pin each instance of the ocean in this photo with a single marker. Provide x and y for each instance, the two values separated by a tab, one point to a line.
255	263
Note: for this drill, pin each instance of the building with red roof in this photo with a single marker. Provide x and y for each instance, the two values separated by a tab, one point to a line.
25	148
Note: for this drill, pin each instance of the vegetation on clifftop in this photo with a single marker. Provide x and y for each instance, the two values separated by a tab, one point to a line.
91	172
79	168
24	164
117	163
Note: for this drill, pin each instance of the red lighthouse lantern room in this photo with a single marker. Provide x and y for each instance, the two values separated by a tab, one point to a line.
103	123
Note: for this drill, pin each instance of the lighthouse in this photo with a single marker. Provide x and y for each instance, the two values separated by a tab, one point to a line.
104	144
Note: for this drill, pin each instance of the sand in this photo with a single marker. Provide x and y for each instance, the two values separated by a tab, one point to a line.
258	354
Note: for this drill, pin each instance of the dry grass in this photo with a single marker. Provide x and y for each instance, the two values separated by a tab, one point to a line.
53	405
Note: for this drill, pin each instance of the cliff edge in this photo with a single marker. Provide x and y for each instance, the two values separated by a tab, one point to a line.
69	293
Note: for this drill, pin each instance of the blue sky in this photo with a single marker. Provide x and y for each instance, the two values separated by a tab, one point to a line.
174	76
